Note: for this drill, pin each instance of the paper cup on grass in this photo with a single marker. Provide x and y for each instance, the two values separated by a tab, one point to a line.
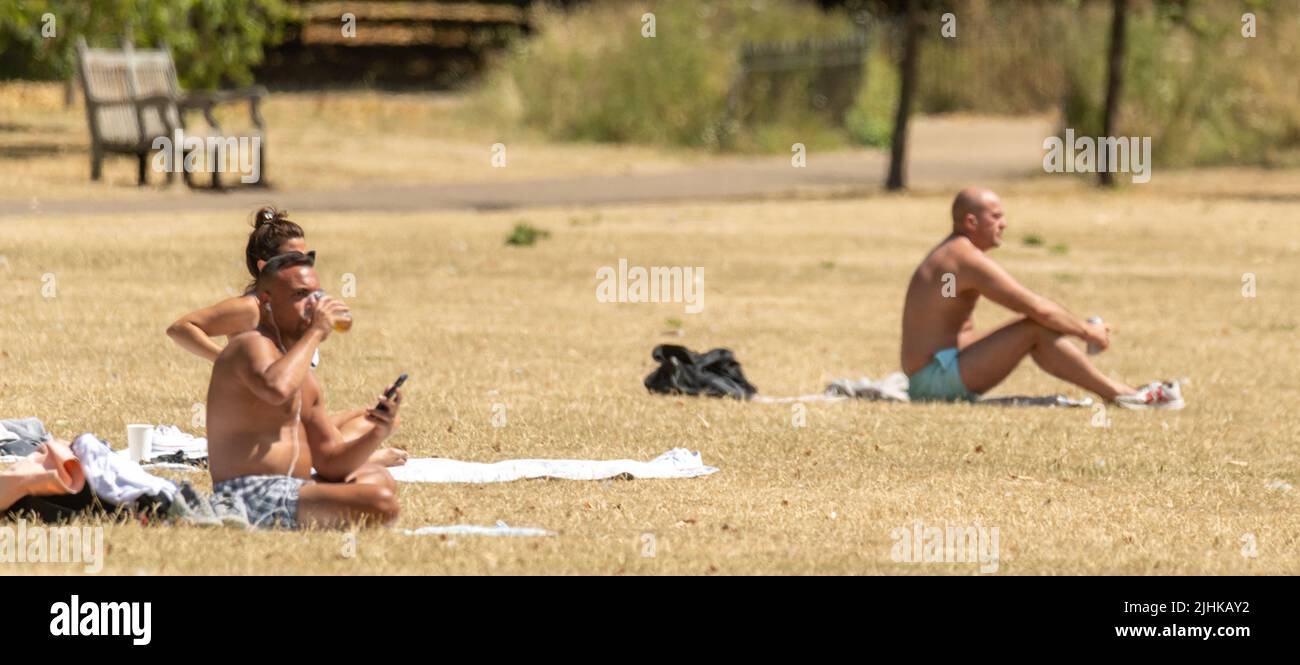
139	442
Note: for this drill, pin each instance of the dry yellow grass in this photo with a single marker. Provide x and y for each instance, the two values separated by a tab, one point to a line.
316	141
804	292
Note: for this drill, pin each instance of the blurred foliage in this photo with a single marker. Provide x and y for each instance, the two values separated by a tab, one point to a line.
215	43
590	74
1204	93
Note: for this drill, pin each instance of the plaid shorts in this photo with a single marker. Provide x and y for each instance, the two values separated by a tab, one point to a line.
271	501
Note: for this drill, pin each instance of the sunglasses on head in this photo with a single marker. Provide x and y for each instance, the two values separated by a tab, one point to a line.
276	262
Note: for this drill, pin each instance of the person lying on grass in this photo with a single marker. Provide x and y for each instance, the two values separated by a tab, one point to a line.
273	234
945	359
267	423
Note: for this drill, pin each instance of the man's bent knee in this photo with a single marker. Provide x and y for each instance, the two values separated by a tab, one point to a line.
372	474
383	491
383	504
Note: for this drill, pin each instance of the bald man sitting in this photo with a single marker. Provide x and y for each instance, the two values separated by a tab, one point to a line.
945	359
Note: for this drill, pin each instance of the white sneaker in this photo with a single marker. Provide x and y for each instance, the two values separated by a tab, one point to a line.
1157	395
189	507
231	511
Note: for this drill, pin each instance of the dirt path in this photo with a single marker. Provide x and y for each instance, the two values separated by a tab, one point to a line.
945	153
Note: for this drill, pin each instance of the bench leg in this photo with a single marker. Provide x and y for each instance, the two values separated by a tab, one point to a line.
96	165
261	162
142	161
185	173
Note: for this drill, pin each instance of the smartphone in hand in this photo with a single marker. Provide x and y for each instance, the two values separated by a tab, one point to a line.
392	390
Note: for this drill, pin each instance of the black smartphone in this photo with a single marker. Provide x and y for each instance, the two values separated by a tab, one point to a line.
392	390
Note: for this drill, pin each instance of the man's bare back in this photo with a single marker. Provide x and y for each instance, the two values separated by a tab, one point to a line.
935	313
943	356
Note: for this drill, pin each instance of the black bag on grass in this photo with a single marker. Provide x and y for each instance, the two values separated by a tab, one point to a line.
684	372
57	508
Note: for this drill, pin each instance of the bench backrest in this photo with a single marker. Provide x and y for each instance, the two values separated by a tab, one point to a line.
111	77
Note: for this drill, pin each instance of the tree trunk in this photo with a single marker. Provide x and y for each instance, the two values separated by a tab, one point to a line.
1114	82
906	91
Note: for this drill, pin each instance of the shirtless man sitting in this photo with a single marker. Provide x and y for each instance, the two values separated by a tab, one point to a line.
945	359
267	423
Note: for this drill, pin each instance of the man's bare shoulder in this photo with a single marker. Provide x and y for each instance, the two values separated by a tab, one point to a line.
953	253
244	344
960	247
963	253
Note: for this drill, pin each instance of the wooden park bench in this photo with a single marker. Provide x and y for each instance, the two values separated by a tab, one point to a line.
133	97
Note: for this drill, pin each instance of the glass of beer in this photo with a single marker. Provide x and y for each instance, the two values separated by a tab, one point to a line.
343	323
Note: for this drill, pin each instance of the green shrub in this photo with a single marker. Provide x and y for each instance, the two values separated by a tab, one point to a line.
526	235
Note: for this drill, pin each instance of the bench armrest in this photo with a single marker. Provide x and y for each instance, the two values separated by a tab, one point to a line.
162	103
206	101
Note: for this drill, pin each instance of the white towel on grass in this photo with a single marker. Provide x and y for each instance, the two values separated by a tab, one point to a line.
676	463
893	388
114	478
172	466
500	529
